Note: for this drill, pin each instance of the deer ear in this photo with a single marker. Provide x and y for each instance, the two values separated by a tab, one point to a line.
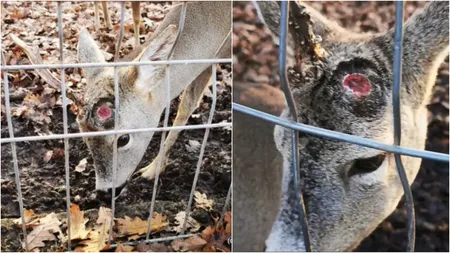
269	13
89	52
158	50
161	46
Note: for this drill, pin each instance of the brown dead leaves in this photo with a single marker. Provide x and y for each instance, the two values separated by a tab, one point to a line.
78	223
201	201
96	239
137	226
45	230
212	239
88	236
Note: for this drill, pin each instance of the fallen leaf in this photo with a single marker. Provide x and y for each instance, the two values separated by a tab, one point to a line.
124	248
77	223
207	233
159	223
194	243
193	146
191	224
128	226
48	226
133	237
81	165
228	220
201	201
104	215
97	239
27	215
48	155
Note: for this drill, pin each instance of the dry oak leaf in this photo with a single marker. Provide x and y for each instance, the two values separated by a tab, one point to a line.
48	226
201	201
124	248
194	243
77	223
104	216
228	220
27	215
97	240
191	223
128	226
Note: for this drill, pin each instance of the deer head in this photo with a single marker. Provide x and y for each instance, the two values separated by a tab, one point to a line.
348	189
141	96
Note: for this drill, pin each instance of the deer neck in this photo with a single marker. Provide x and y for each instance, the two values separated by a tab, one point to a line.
286	234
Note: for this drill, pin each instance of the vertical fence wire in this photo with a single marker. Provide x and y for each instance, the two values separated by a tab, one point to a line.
202	150
293	113
116	121
65	123
14	156
398	40
166	120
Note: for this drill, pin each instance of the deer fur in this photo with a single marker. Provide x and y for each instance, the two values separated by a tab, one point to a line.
342	207
142	88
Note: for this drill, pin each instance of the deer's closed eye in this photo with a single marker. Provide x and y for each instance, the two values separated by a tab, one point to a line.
366	165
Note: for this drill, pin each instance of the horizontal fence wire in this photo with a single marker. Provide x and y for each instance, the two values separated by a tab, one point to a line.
113	132
66	136
338	136
114	64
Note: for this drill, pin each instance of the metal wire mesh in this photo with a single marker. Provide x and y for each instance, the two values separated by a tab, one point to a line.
66	136
294	125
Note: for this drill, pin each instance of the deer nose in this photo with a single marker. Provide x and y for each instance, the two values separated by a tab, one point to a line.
106	195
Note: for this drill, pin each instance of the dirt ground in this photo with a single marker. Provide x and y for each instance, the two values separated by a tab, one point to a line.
43	182
257	58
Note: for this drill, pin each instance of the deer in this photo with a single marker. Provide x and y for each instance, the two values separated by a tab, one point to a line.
348	190
206	35
136	12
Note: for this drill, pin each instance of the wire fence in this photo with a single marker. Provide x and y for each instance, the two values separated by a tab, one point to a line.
66	136
396	149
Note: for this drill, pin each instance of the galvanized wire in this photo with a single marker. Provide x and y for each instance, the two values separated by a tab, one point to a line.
338	136
65	124
14	156
284	20
112	132
398	40
166	121
115	64
202	150
116	120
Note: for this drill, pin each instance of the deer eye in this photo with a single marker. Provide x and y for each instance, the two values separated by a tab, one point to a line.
123	140
366	165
